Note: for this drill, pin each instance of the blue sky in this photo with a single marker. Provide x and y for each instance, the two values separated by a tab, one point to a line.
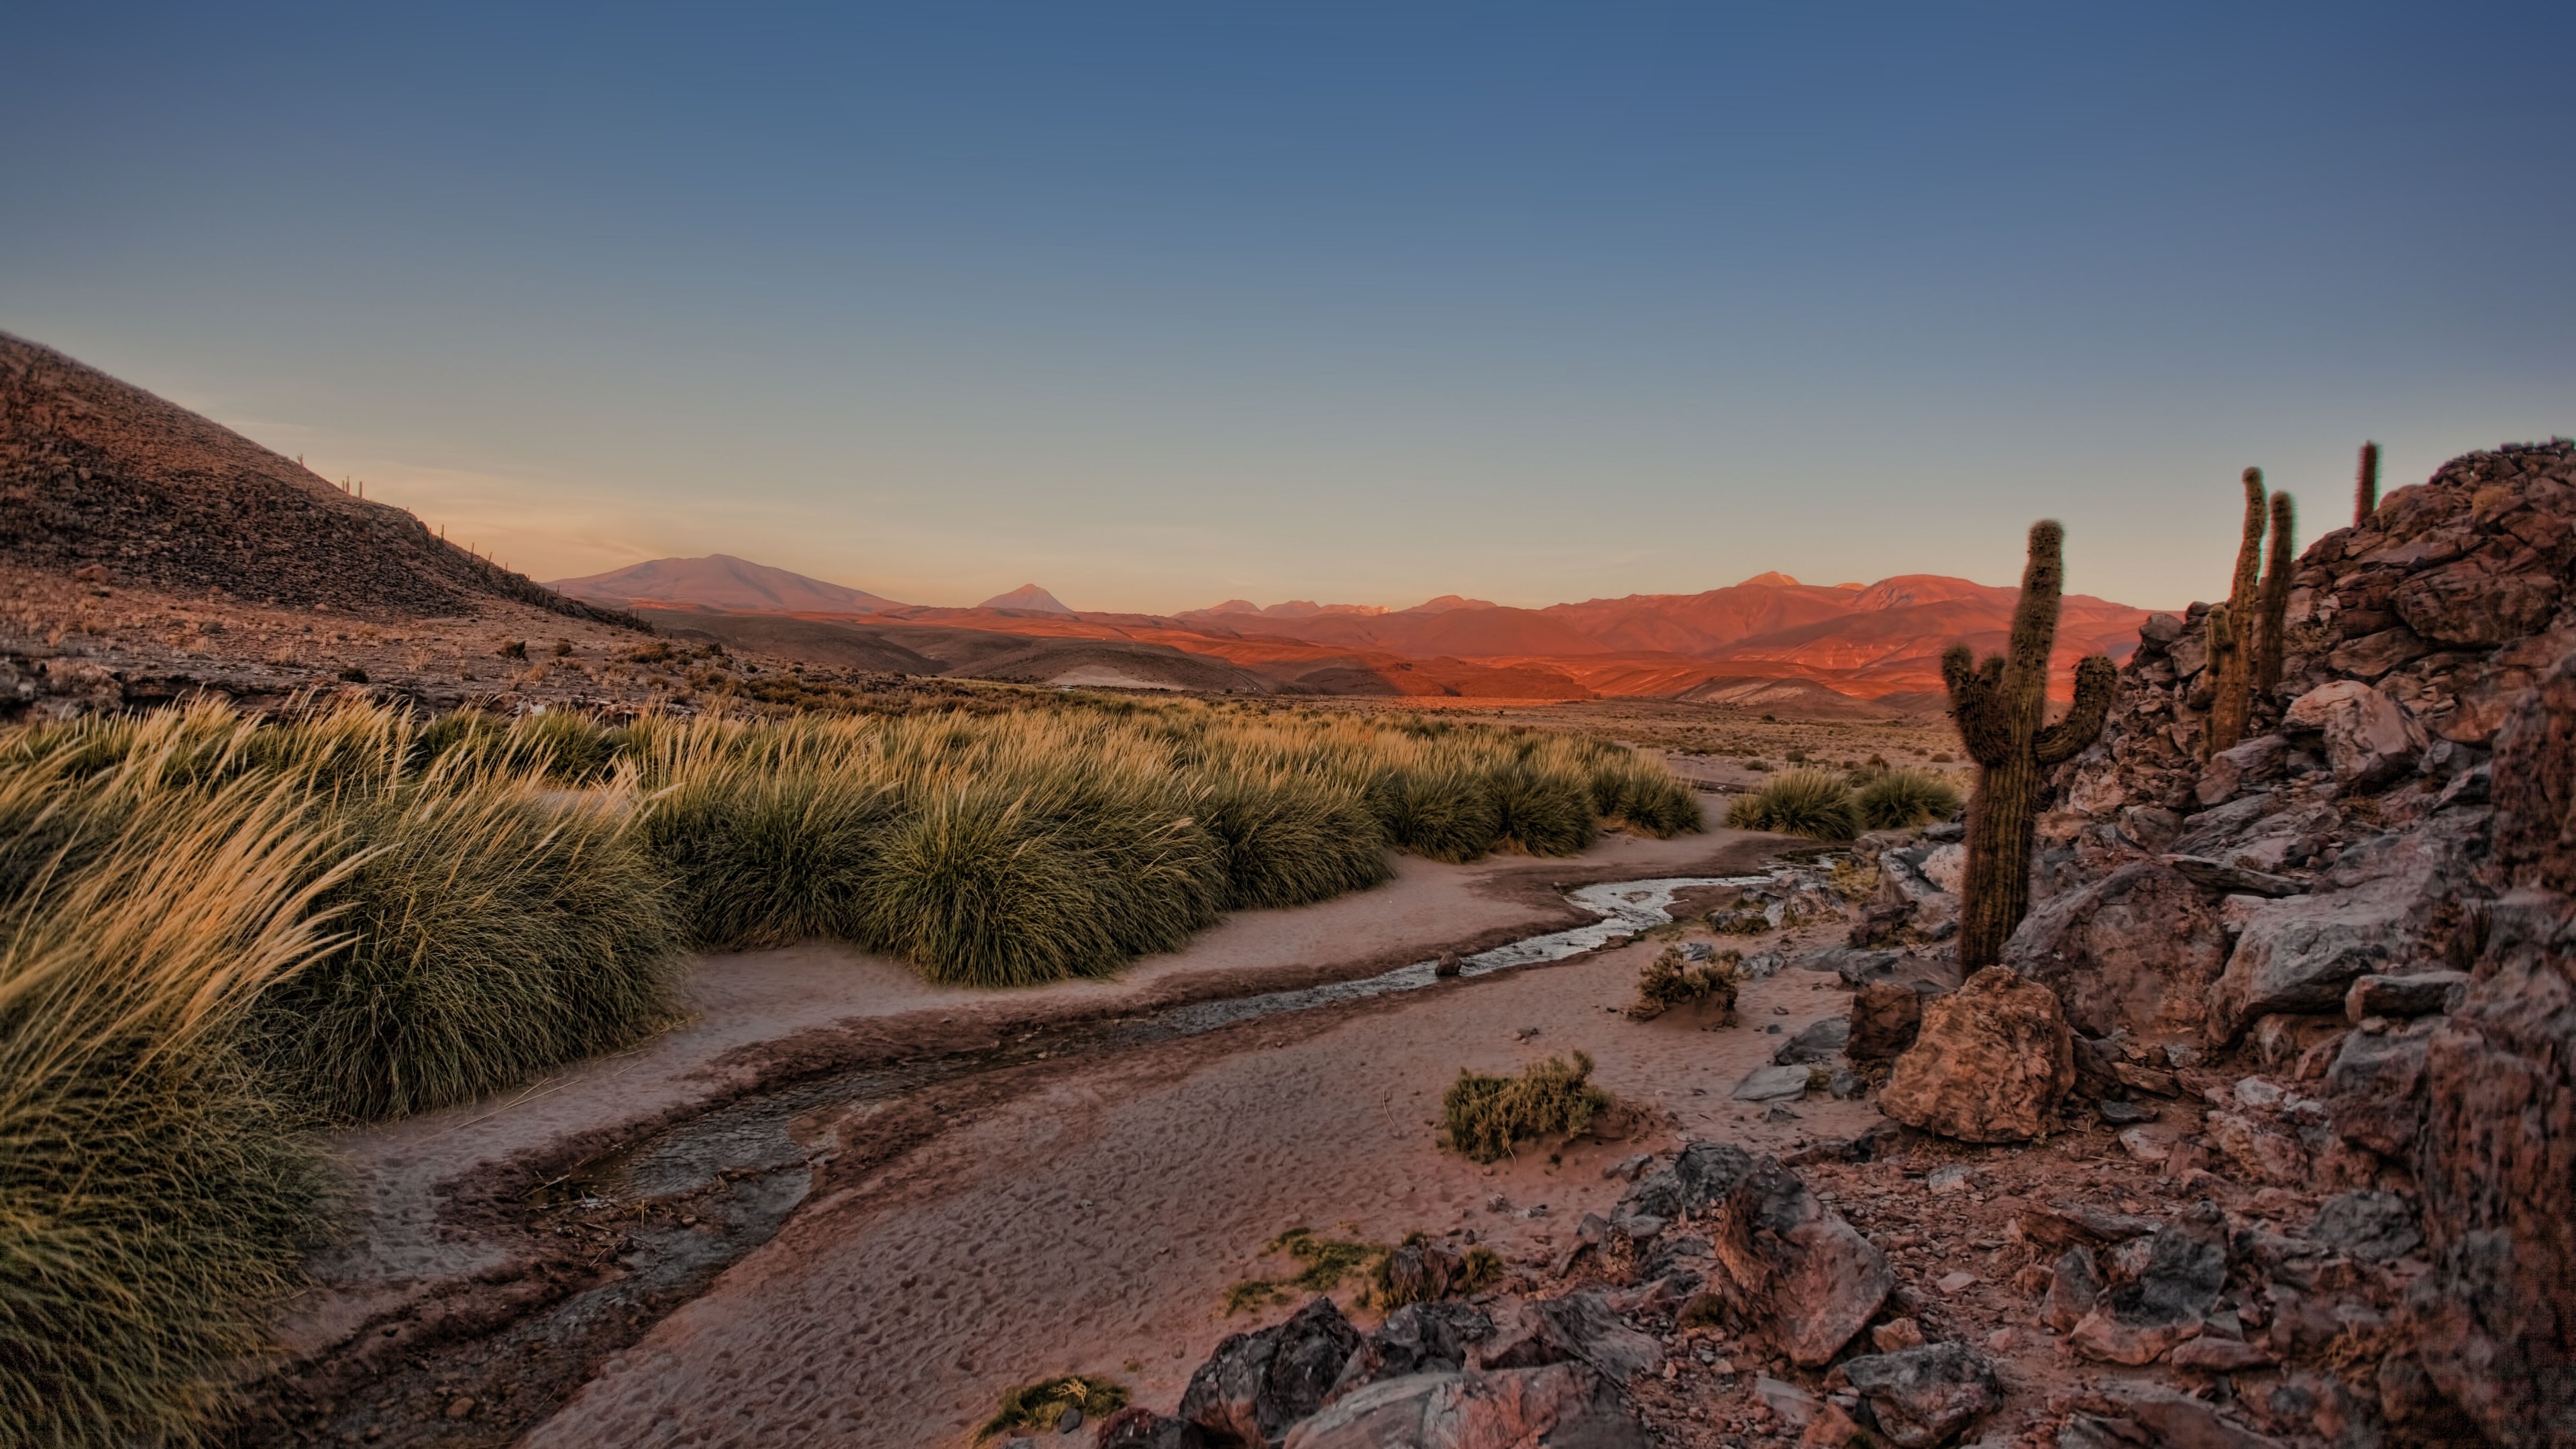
1157	305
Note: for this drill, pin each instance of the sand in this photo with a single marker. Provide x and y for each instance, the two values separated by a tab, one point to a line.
1094	1222
426	1189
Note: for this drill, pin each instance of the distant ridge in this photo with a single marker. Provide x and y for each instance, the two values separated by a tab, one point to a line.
1028	597
721	581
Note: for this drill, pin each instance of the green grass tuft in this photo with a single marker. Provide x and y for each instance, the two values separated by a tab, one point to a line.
1901	799
1813	803
1487	1115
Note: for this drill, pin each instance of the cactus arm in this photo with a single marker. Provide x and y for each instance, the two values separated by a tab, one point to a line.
1974	704
2271	629
2365	486
2096	681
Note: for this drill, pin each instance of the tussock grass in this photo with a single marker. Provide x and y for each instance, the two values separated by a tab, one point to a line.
1900	799
1813	803
1039	1407
216	933
1668	982
1327	1262
1486	1115
153	1196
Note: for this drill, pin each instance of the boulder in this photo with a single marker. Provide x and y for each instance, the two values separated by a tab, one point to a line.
2369	740
1991	1063
2419	994
2135	951
1791	1266
1925	1396
2260	1151
1772	1084
2467	602
2369	914
2231	770
1417	1338
1563	1403
1822	1041
1577	1328
2375	1089
1703	1173
2074	1286
1256	1385
1884	1019
2374	1226
2169	1300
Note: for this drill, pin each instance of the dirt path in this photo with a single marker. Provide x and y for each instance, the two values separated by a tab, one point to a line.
1093	1223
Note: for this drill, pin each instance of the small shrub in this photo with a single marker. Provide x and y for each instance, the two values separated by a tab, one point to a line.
1328	1261
1487	1115
1900	799
1440	813
353	675
1812	803
512	649
1668	982
651	651
1854	878
563	648
1038	1407
1422	1271
1544	811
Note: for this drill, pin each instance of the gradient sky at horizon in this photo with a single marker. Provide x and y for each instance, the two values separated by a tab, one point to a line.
1157	305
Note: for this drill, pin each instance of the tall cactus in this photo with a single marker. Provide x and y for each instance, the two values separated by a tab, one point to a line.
2365	486
2231	636
2001	707
2274	625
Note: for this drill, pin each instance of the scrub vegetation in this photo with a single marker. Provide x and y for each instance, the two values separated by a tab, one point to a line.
217	935
1487	1116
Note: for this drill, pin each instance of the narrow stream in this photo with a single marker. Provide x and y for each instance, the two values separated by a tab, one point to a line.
743	1172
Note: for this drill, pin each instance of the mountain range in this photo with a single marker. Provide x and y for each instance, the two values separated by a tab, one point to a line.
1746	642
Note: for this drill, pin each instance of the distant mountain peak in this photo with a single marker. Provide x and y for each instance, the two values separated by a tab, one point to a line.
1447	602
722	581
1773	579
1027	597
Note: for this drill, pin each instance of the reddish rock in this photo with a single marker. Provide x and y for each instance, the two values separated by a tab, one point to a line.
1885	1015
2368	739
2135	950
1992	1062
1793	1267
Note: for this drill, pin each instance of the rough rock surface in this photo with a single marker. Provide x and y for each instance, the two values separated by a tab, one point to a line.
1885	1018
1920	1397
1792	1265
1555	1404
1990	1064
2134	951
1417	1338
1257	1385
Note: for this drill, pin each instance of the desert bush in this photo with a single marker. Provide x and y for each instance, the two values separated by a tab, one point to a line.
1038	1407
1898	799
1440	811
1813	803
1543	808
154	1198
1288	839
758	858
1640	793
493	932
1487	1115
1668	982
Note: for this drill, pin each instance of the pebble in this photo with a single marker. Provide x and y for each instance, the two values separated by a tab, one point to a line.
1954	1284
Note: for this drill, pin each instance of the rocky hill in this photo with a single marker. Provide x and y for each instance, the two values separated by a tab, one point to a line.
96	472
2371	902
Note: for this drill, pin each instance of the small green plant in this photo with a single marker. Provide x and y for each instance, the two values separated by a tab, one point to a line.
1668	982
1040	1406
1901	799
1487	1115
1813	803
1433	1272
1328	1261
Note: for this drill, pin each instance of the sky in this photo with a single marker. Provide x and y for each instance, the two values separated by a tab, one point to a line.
1157	305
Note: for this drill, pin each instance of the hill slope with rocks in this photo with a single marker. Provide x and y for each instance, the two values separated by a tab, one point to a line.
98	473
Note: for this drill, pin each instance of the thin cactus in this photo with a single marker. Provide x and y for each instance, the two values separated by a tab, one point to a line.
2231	650
2271	633
2365	487
2001	707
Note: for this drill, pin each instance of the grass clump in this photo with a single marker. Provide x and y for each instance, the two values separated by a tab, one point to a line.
1486	1115
1901	799
1040	1406
1327	1262
154	1197
1813	803
1669	982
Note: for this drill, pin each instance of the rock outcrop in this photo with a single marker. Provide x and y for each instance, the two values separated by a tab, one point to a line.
1793	1267
1990	1064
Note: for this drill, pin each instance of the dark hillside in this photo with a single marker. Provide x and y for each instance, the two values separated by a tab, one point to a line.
94	471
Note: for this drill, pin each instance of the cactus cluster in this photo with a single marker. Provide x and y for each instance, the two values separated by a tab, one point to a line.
2001	707
2245	633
